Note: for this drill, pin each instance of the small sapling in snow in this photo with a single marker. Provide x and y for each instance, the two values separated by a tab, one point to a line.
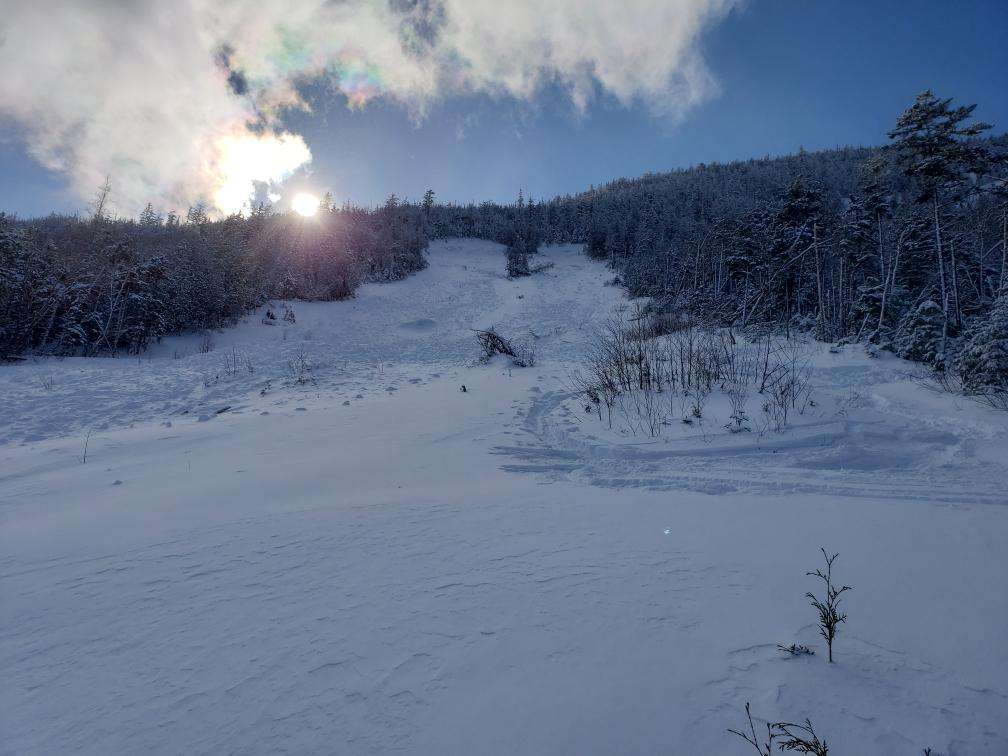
751	739
800	738
829	615
299	369
82	457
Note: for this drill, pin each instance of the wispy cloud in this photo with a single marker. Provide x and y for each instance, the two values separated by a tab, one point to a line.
181	101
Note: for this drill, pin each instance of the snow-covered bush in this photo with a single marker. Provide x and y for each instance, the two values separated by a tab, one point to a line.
517	259
983	362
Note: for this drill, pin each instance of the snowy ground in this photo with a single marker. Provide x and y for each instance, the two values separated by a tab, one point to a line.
373	561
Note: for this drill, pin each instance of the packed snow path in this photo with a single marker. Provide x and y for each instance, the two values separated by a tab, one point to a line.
373	561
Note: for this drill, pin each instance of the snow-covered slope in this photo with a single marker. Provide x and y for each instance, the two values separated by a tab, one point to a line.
373	561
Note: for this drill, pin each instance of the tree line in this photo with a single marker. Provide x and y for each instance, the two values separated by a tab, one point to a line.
902	246
101	285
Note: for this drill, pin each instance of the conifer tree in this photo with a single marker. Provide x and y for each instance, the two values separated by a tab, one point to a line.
922	334
983	362
938	151
150	217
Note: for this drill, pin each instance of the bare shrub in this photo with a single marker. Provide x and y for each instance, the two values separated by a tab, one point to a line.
597	390
948	381
684	407
493	343
764	749
82	457
738	394
521	352
299	369
231	362
206	344
236	362
829	615
628	362
699	399
737	366
787	383
778	405
787	736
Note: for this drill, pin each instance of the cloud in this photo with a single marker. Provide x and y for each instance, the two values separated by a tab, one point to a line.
181	101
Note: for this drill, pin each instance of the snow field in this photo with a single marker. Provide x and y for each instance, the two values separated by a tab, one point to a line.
423	570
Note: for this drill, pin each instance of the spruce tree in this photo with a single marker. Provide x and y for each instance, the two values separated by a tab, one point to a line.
519	245
922	334
517	257
150	217
983	362
939	152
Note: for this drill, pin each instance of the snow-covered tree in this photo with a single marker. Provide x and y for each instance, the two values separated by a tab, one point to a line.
983	361
524	240
921	336
940	153
517	258
150	217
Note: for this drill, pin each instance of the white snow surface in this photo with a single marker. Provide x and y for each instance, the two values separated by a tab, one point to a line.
373	561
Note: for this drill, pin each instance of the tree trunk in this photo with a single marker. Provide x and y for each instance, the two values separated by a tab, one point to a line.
890	282
1003	289
955	285
881	252
819	277
941	257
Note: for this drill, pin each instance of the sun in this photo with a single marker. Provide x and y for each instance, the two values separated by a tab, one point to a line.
305	204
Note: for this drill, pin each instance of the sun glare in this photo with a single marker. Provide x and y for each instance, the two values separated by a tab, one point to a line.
305	204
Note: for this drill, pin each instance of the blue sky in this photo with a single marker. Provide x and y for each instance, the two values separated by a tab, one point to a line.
791	74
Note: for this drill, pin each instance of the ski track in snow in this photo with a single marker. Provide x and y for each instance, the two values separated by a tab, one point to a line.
856	453
378	563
